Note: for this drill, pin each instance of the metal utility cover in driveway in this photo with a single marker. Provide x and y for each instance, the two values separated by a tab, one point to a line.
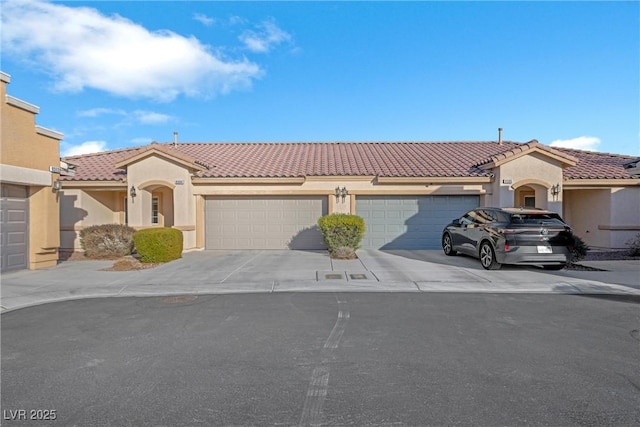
264	222
409	222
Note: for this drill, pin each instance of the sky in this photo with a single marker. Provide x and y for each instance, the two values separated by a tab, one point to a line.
111	74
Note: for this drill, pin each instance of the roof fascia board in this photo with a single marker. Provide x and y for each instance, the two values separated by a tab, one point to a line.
122	164
49	133
565	161
584	184
341	178
234	181
434	180
93	185
24	105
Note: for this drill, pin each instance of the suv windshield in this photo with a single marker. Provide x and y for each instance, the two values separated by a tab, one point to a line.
536	219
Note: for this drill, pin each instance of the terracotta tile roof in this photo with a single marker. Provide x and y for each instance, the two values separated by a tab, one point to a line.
594	165
384	159
523	148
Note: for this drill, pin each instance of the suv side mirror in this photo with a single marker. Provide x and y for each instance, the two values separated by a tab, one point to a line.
456	222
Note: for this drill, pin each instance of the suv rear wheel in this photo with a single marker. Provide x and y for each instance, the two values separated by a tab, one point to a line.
488	257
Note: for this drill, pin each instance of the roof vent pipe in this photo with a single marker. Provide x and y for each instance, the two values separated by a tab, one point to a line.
500	136
175	138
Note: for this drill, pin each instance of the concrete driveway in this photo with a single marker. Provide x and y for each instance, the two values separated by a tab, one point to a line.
216	272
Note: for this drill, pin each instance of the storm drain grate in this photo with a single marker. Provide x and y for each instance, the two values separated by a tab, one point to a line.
358	276
333	276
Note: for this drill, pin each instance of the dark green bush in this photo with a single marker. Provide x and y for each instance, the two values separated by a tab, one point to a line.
342	234
634	245
107	240
578	250
158	244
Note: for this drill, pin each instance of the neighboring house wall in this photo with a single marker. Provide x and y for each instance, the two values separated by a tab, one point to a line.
187	190
585	210
625	216
20	139
605	218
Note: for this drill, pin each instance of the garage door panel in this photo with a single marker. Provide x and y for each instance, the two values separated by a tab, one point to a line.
409	222
14	227
264	222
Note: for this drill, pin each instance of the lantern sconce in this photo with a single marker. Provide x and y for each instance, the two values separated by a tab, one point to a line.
132	192
57	185
341	192
555	190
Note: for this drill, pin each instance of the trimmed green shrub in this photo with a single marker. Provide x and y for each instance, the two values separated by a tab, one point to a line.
634	245
107	240
342	234
158	244
578	250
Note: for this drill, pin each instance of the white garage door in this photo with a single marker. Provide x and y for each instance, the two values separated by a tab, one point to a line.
14	227
409	222
267	222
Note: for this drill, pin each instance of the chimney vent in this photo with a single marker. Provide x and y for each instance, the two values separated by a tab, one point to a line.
500	136
175	138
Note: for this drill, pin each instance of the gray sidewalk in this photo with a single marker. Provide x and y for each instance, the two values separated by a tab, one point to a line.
224	272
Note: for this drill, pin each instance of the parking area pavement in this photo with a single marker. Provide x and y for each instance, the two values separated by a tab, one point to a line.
223	272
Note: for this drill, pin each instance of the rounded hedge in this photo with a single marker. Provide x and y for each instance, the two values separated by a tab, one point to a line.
340	232
158	244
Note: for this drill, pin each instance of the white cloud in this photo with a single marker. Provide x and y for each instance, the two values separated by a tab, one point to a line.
268	36
204	19
85	148
95	112
590	143
150	117
83	48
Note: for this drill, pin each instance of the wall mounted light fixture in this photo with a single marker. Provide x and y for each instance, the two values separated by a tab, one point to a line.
57	185
132	191
555	190
341	192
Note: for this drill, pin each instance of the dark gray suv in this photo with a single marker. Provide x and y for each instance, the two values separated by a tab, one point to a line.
510	236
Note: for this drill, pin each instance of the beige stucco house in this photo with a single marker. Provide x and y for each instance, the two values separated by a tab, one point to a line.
29	167
270	195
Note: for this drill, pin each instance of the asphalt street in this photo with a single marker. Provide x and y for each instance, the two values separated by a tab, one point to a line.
379	359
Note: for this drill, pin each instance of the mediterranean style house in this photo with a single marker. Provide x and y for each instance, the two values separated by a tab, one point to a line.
270	195
30	224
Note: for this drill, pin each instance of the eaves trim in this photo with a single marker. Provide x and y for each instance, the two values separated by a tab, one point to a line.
435	180
600	183
236	181
122	164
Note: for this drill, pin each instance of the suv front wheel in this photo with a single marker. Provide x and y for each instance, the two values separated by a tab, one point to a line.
488	257
447	245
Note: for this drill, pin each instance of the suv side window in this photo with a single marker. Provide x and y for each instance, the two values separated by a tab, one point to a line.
484	216
502	216
467	218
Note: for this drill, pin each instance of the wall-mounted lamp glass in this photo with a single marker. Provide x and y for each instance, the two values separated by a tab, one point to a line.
341	192
57	185
132	191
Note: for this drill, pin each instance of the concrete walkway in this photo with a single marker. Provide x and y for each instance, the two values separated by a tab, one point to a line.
224	272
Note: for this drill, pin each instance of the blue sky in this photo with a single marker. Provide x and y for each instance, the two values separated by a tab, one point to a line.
112	75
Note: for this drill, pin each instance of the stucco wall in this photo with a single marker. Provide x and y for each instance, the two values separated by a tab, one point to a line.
537	171
625	216
80	208
31	153
586	211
